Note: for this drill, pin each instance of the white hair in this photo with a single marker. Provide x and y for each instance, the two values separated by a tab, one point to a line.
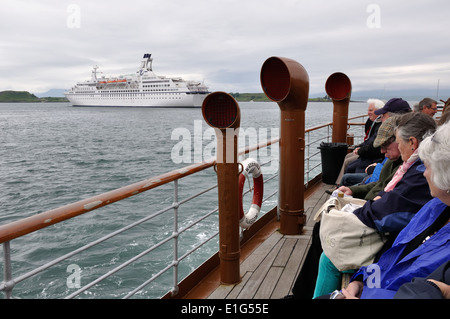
435	152
376	102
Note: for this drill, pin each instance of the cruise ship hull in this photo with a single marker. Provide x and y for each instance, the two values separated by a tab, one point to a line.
179	100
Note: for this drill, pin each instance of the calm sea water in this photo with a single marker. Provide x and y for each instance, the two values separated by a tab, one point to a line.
54	154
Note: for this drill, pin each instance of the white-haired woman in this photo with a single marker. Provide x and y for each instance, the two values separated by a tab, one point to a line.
423	245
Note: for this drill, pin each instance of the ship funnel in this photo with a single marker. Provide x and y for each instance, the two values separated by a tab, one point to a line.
286	82
146	63
339	88
221	111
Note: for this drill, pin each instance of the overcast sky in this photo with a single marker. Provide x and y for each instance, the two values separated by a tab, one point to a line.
52	44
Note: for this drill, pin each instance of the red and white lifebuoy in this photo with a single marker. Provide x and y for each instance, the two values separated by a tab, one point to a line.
251	167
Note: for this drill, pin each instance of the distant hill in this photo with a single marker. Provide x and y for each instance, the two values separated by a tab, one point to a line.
26	97
261	97
18	96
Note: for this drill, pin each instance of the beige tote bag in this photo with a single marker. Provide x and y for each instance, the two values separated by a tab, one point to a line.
346	241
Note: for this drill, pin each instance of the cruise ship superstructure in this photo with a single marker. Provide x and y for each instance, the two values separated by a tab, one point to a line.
141	89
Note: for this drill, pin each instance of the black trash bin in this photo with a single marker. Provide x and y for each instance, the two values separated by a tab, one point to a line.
333	155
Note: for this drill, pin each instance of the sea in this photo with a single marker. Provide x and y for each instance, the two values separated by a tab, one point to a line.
53	154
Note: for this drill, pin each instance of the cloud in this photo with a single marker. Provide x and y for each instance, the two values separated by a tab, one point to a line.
53	44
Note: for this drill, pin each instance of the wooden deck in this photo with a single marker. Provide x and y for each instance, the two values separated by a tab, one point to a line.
270	267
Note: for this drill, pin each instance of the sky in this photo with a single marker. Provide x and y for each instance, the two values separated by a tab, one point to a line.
379	44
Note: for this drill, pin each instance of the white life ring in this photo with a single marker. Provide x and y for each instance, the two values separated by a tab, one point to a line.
250	166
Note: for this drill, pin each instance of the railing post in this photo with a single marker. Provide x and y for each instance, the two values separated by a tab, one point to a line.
175	288
308	145
339	89
221	111
7	270
286	82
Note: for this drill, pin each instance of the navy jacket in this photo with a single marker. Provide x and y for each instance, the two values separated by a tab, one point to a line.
395	209
366	148
421	288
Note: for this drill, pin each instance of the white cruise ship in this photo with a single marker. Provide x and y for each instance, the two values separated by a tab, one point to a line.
141	89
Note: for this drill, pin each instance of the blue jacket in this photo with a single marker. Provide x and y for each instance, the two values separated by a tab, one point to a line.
376	172
384	278
393	211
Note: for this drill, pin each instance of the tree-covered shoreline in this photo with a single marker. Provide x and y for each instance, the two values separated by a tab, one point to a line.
26	97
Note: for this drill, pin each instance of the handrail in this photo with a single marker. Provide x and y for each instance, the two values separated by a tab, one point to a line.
28	225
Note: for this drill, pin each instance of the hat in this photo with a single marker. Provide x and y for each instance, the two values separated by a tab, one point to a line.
395	105
385	132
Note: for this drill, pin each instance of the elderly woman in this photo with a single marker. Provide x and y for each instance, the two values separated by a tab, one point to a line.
423	245
400	200
392	210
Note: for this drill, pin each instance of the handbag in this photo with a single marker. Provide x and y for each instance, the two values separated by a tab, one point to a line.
347	241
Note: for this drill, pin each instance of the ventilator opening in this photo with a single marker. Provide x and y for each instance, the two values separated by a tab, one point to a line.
220	110
275	79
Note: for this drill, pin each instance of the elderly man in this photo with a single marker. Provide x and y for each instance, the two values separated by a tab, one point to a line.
427	106
371	129
386	140
394	105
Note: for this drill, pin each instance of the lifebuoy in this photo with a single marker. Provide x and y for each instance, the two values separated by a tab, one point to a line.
251	167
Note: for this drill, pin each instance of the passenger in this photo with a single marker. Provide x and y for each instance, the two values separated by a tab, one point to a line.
370	154
306	281
394	105
427	106
370	128
423	245
411	190
389	147
400	200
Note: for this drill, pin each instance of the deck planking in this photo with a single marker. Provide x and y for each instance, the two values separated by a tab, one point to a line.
269	272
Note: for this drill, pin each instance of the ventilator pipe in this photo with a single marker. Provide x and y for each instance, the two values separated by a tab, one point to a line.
339	89
221	111
286	82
